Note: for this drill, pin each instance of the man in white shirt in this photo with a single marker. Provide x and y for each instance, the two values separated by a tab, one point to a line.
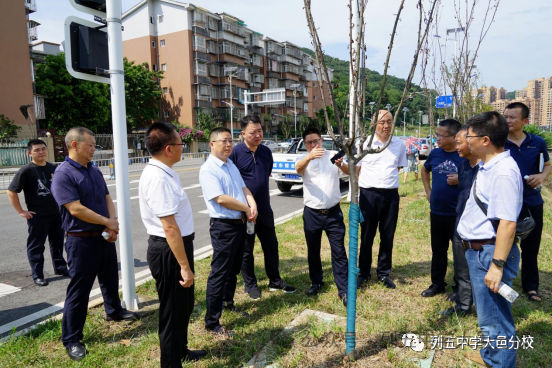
168	218
489	238
321	196
379	200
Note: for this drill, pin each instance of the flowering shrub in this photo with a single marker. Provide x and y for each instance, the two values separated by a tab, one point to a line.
187	135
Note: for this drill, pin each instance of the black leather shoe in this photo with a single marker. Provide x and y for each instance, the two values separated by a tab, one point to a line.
62	273
455	310
221	332
233	308
41	282
387	282
314	289
433	290
193	355
362	282
452	297
343	298
123	315
76	352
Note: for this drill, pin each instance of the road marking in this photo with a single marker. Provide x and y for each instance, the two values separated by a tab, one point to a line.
204	211
130	182
8	289
192	186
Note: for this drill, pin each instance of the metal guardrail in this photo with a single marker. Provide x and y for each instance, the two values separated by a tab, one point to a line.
107	167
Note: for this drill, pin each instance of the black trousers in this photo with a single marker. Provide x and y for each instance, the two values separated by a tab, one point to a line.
334	227
176	303
378	207
41	227
266	232
464	294
228	243
442	231
88	258
529	252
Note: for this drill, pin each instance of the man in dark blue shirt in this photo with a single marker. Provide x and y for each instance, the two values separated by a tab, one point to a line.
466	175
531	154
442	168
254	161
86	211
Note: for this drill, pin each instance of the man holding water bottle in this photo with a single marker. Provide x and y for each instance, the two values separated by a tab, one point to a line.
231	205
492	256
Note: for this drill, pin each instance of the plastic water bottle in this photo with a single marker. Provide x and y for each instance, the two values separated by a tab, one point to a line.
250	227
507	292
105	235
538	189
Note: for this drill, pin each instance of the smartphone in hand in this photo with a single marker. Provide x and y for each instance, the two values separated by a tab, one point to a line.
340	154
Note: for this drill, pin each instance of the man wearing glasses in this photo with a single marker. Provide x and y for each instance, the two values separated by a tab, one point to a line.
321	196
168	218
491	253
230	205
254	161
441	168
379	199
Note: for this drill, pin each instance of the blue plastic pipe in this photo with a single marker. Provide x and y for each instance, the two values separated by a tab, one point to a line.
355	218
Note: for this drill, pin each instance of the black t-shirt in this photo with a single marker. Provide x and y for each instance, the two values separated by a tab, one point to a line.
35	182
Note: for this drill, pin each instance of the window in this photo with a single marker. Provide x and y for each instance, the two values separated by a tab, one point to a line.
153	44
160	18
154	67
313	110
314	84
166	113
314	97
162	43
163	67
151	20
165	90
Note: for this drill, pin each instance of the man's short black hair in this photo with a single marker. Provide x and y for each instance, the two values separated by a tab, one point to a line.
311	130
218	131
519	105
249	119
464	127
158	136
490	124
452	126
34	142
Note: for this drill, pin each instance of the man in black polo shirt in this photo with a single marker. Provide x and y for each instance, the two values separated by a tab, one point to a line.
86	211
254	161
42	214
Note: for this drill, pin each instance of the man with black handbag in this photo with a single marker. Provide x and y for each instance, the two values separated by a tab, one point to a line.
493	256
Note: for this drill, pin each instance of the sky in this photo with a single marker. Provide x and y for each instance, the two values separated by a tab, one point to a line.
516	48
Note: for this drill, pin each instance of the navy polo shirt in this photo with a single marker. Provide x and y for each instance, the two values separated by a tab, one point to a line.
74	182
527	156
255	169
466	175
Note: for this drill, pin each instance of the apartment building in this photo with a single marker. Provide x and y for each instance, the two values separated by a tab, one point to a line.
17	33
538	96
210	59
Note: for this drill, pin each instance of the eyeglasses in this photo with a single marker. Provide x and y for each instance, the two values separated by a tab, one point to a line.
314	142
474	136
385	123
226	142
443	136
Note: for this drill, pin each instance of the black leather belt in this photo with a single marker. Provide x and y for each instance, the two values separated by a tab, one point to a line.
477	244
184	238
325	212
380	189
85	234
229	221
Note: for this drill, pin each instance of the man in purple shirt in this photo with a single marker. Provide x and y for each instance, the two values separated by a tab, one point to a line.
86	211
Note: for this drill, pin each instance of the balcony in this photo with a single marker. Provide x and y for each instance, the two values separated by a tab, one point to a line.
233	28
202	80
203	104
198	55
30	6
200	31
32	30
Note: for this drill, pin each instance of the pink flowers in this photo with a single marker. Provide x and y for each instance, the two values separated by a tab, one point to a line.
188	134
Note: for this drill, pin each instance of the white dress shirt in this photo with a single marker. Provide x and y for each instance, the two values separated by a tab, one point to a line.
500	188
321	183
161	195
380	170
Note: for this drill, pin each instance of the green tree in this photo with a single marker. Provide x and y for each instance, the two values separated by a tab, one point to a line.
142	94
72	102
206	122
8	129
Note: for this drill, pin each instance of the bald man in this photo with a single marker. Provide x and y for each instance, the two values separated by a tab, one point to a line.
379	200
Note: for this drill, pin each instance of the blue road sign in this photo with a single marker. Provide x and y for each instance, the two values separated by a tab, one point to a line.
443	101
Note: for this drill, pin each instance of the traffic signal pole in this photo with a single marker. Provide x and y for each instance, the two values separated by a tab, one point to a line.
118	112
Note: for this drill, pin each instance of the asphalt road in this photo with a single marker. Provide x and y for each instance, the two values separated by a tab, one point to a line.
15	270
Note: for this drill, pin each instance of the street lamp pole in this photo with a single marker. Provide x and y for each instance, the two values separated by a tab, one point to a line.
294	87
420	124
231	69
405	110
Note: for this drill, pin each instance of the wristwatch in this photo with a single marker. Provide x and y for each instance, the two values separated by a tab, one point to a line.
499	263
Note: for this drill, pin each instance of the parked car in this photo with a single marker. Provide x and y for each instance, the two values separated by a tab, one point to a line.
284	145
424	151
270	144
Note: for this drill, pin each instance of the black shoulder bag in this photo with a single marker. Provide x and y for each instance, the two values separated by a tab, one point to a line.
525	222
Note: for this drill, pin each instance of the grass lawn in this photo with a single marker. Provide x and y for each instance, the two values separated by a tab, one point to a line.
382	315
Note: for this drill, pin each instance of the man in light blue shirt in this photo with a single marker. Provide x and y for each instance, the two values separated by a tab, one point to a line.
491	253
230	205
